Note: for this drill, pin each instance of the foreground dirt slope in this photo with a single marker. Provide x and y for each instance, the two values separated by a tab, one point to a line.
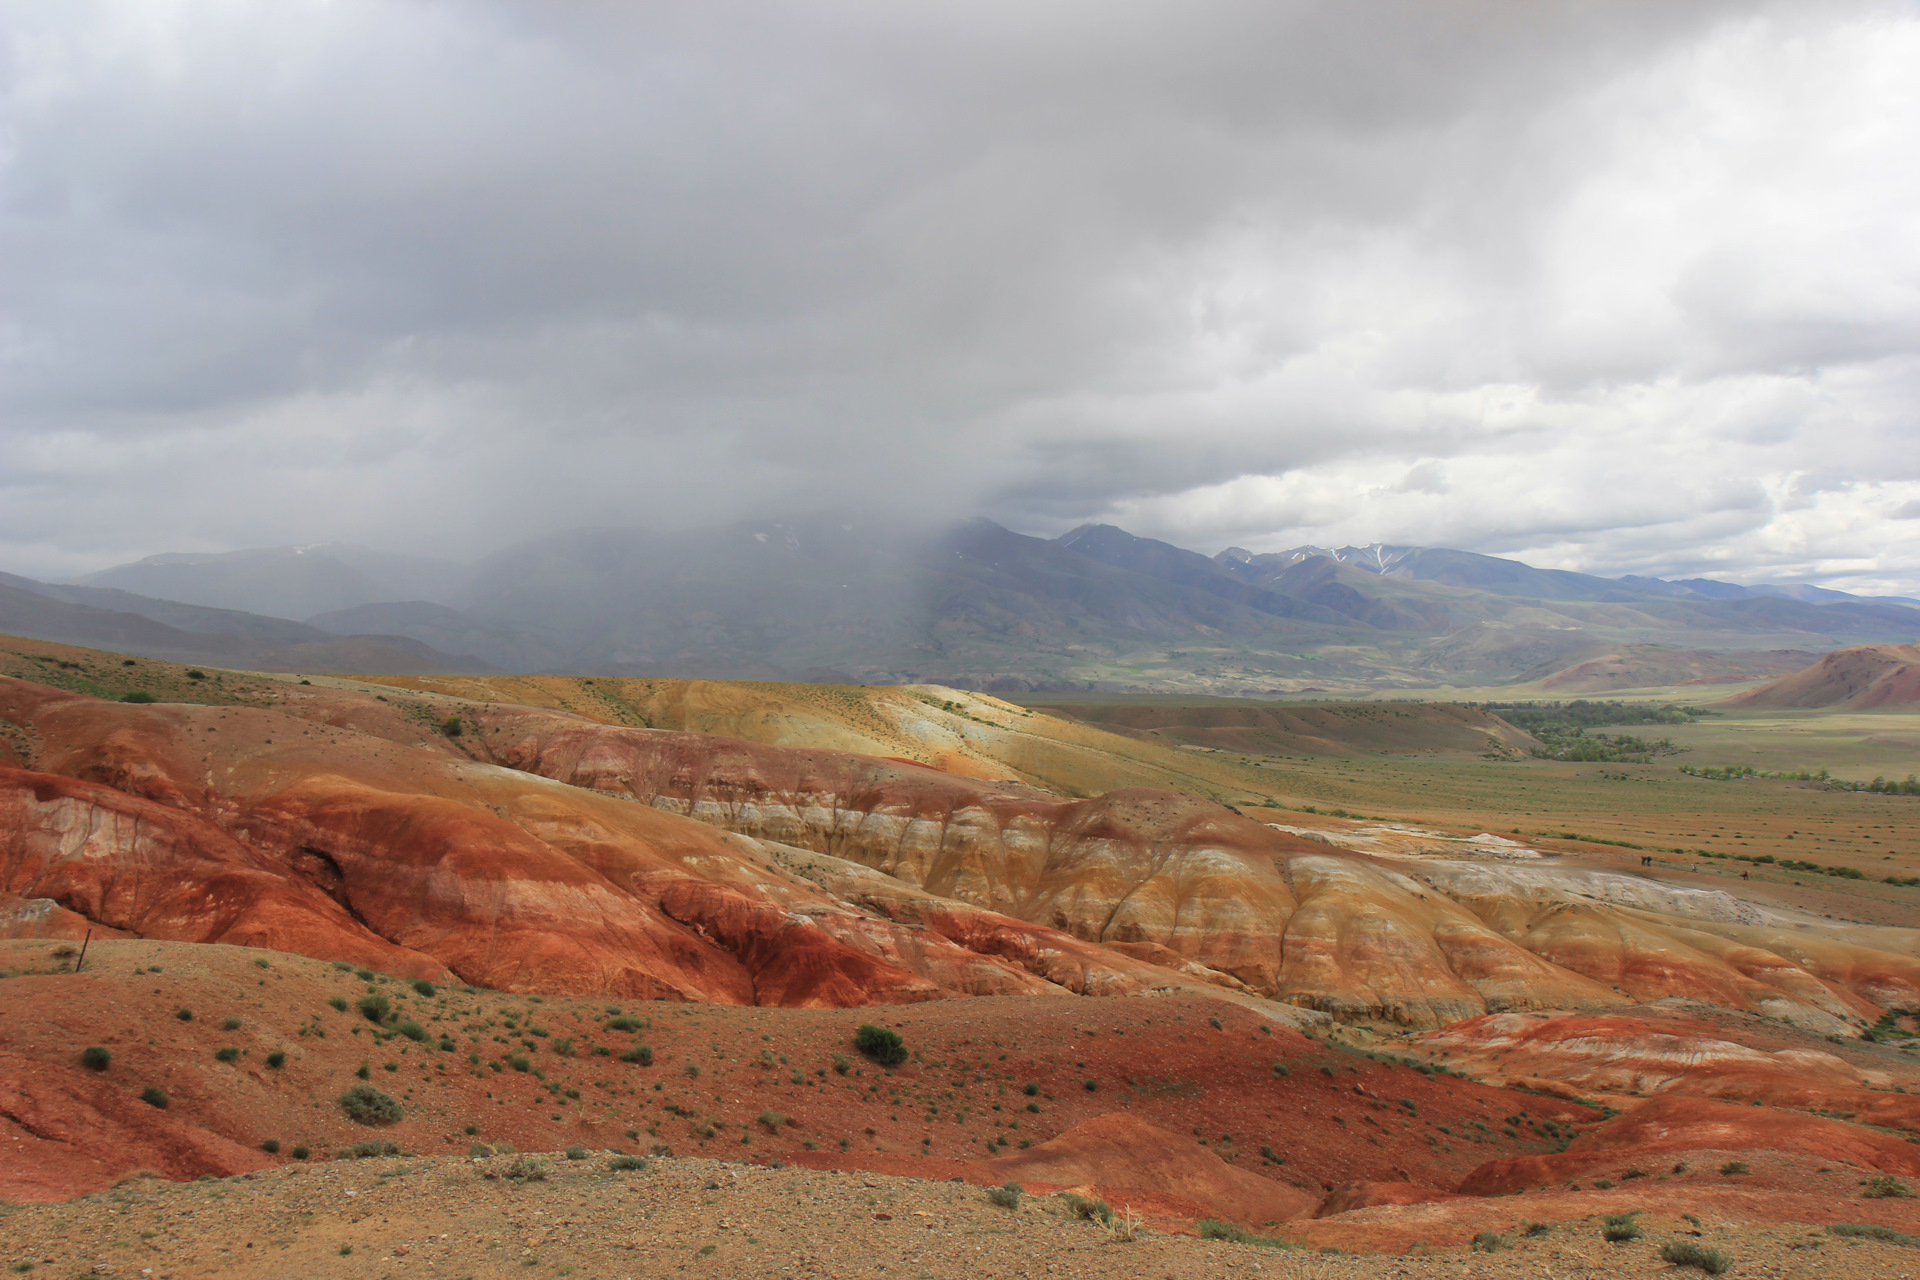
704	1217
1199	1108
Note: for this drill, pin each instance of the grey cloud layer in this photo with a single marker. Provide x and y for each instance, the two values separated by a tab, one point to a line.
1623	287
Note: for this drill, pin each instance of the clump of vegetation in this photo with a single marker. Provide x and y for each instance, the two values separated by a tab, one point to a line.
527	1170
94	1058
138	696
1488	1242
1214	1229
1564	728
627	1164
369	1150
881	1044
1618	1228
623	1024
771	1120
185	1015
375	1009
422	987
576	1152
412	1030
1733	1167
228	1054
640	1053
1007	1195
365	1104
154	1096
271	1146
1886	1234
1088	1210
1691	1253
1885	1187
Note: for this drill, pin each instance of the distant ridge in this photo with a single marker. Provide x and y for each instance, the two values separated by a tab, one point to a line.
856	598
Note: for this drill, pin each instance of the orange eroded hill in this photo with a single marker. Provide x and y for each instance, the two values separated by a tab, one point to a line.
1872	675
512	853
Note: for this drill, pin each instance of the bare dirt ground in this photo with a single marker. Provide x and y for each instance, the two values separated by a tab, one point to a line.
455	1217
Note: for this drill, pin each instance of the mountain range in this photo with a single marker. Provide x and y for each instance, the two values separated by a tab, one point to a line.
848	598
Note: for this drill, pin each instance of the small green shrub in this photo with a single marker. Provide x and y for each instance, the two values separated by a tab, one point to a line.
1488	1242
880	1044
1007	1195
640	1053
369	1150
271	1146
365	1104
1885	1187
518	1063
412	1030
1281	1069
185	1015
627	1164
576	1152
422	987
841	1063
1619	1228
693	1070
339	1003
1214	1229
94	1058
771	1120
623	1024
276	1059
1088	1210
231	1024
154	1096
1689	1253
1030	1088
527	1170
375	1009
1732	1167
228	1054
299	1153
137	695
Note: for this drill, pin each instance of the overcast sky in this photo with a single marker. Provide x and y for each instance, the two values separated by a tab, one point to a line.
1624	287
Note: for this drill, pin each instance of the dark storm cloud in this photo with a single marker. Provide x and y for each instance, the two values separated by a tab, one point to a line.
1603	284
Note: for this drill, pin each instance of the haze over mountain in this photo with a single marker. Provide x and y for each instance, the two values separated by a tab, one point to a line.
863	598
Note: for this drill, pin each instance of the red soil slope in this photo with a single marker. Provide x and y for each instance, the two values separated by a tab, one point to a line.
1620	1056
721	1080
1672	1126
1869	675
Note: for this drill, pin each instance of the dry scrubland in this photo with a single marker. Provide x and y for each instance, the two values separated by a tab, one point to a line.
722	1094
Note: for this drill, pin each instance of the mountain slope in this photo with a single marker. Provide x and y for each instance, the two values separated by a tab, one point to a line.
840	597
125	623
